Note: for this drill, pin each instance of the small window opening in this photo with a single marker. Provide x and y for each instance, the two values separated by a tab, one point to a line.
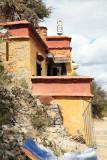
38	65
38	70
7	51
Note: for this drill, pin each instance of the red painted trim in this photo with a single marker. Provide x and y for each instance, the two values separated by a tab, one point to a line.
62	86
58	43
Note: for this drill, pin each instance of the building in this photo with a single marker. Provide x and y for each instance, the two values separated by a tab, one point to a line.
59	57
42	55
45	62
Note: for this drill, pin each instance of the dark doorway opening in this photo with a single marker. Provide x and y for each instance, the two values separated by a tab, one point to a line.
38	69
54	71
64	72
49	70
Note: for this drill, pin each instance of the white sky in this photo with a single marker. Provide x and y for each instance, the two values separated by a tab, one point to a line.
86	22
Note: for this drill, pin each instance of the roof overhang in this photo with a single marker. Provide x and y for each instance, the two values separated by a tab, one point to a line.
61	58
60	48
58	58
58	37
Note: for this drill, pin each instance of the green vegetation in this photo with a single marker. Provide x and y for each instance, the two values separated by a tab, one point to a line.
56	153
63	151
1	69
31	10
104	113
24	135
23	83
5	114
3	77
99	103
44	143
40	120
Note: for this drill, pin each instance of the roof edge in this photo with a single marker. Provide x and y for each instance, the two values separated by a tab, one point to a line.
62	77
15	23
24	22
58	37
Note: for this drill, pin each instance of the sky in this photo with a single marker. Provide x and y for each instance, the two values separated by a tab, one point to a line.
86	22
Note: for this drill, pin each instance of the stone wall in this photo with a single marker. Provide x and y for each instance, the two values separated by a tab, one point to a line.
21	61
2	51
18	63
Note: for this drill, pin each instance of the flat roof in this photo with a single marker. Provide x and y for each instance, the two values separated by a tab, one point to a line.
62	77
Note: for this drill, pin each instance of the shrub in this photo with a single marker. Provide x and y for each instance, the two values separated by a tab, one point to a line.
3	76
98	100
5	114
1	69
40	120
23	83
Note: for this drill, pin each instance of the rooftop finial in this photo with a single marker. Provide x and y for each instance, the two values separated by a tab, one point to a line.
59	27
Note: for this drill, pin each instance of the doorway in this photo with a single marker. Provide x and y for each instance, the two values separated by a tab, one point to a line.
38	66
56	70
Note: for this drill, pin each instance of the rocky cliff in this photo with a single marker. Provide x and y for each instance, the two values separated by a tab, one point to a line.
23	115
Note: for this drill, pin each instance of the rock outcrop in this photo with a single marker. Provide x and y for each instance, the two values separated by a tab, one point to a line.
22	116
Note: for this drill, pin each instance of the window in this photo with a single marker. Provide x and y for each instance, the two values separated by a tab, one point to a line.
7	51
